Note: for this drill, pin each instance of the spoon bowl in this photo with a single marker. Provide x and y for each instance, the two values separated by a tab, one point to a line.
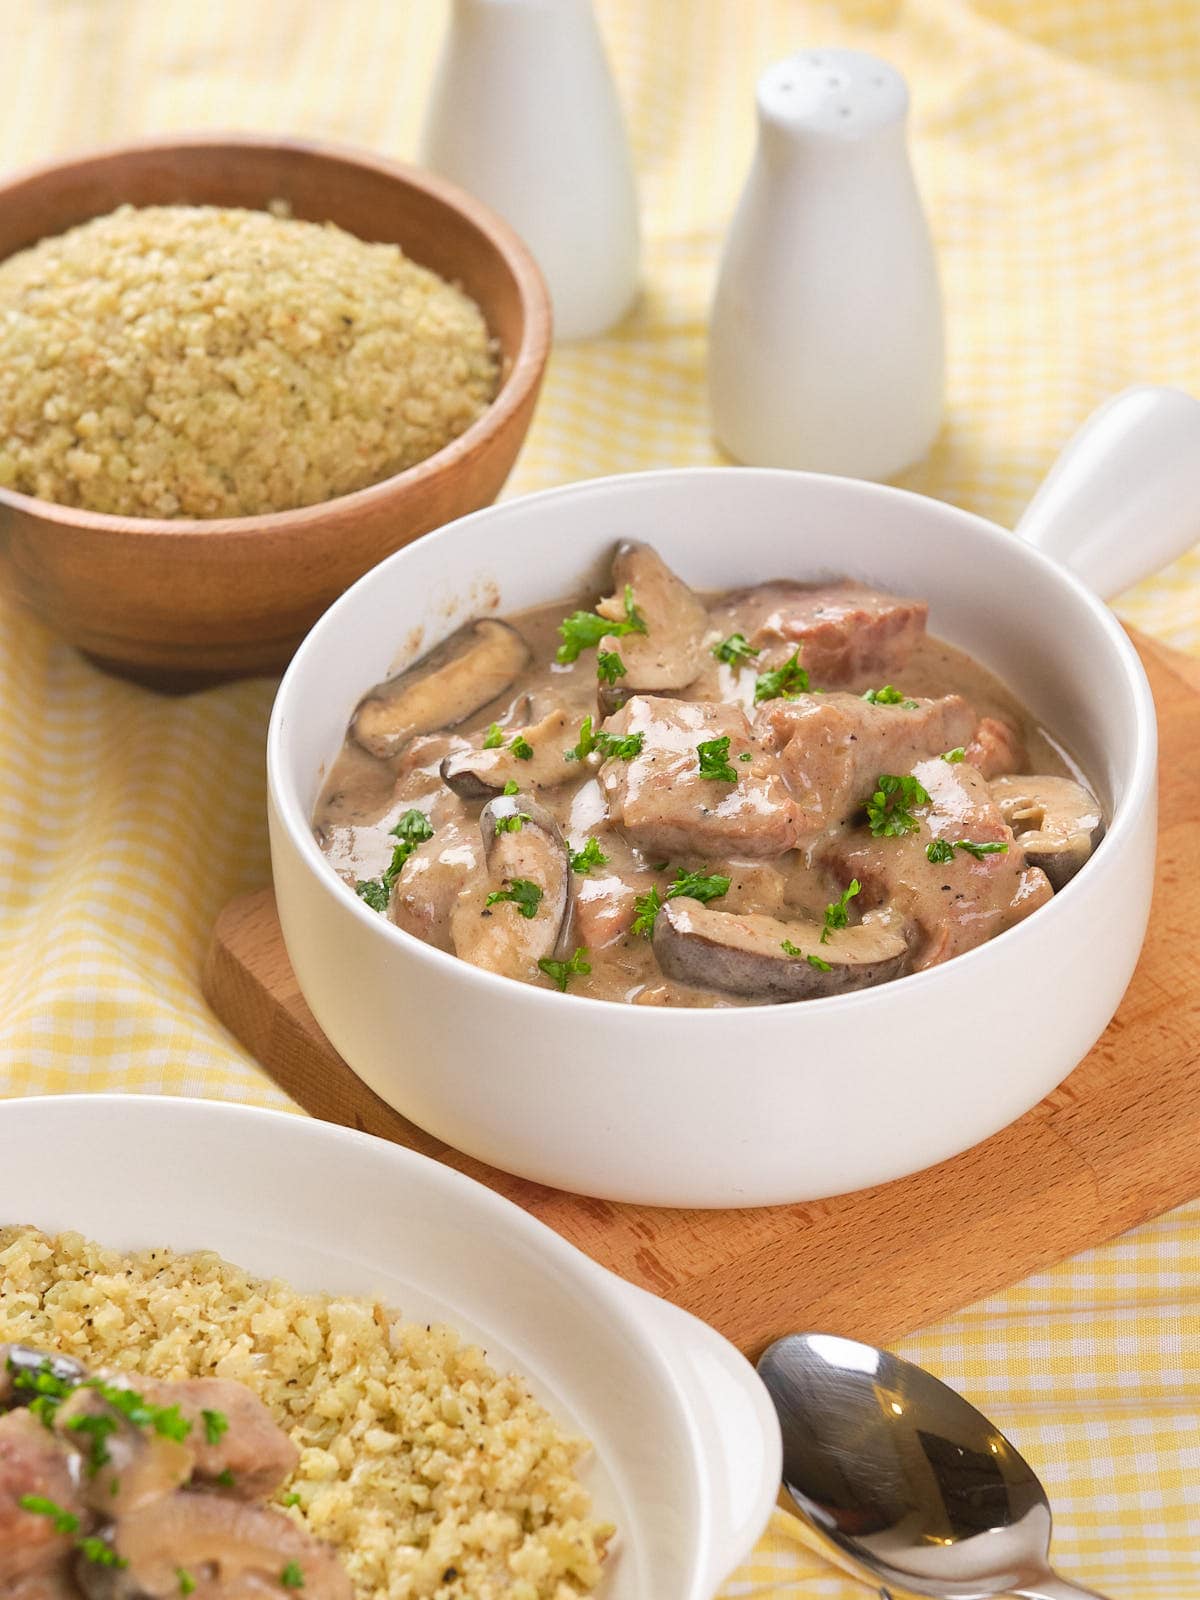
905	1477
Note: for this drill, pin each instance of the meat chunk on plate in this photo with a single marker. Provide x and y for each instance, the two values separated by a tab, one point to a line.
846	632
663	804
953	904
832	747
233	1434
31	1463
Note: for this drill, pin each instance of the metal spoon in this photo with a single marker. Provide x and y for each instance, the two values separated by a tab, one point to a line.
905	1477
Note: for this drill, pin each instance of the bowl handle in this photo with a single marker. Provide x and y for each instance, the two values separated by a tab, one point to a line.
1123	498
740	1444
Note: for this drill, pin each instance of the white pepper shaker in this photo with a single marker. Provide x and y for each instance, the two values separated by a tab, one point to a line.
525	115
826	348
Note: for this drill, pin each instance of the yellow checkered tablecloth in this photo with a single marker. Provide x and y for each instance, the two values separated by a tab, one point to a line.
1058	146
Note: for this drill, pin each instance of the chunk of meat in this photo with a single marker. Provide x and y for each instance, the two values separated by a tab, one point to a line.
31	1462
954	905
846	632
663	805
604	909
432	880
251	1447
996	747
670	652
832	747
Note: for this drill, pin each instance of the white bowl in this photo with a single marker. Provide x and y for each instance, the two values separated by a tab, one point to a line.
741	1106
687	1452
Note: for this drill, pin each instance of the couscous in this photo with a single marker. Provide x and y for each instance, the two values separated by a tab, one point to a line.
188	361
430	1474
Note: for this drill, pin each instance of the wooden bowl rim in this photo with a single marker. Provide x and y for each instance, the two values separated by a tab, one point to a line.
522	378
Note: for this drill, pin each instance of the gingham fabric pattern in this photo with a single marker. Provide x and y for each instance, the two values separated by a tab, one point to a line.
1056	145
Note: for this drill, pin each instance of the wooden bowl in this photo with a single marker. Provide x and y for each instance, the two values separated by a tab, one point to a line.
180	602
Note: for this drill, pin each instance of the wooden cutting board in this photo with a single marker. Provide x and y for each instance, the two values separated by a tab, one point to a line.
1117	1143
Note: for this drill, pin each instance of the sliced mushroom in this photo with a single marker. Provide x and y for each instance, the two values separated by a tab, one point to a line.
225	1547
1056	821
745	955
516	931
670	653
141	1466
478	774
18	1359
462	674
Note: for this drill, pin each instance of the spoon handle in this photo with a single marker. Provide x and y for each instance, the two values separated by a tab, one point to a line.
1052	1587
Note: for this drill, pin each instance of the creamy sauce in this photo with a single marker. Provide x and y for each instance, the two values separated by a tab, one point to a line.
365	795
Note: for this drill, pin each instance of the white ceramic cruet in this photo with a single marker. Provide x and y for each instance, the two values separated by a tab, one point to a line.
524	114
826	331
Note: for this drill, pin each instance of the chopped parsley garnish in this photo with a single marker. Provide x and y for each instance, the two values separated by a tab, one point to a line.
794	950
941	850
693	885
587	742
524	895
646	908
784	683
583	629
292	1577
98	1427
511	787
698	886
511	824
954	755
372	891
609	666
186	1582
622	748
521	748
101	1554
561	972
889	696
494	737
290	1499
40	1506
746	755
980	850
590	856
889	811
412	829
837	913
216	1426
714	760
226	1479
734	651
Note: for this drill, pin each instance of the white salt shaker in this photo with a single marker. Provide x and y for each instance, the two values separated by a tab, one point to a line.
525	115
826	335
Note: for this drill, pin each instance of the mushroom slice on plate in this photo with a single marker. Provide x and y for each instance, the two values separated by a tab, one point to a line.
521	912
1056	821
762	958
534	757
671	651
224	1546
454	680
